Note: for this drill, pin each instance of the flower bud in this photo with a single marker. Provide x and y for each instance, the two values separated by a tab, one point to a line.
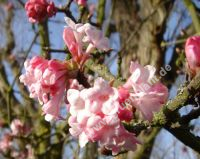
38	10
192	51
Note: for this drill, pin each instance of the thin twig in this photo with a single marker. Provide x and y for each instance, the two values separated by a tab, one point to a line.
26	55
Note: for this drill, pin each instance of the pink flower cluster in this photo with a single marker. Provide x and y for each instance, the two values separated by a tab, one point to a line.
8	145
146	94
18	128
80	36
192	51
47	80
94	117
38	10
97	112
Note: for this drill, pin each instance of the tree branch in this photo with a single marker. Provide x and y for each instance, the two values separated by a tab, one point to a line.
103	71
186	137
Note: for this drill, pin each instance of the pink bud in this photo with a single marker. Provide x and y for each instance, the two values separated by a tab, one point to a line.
192	51
123	94
125	114
38	10
51	9
81	2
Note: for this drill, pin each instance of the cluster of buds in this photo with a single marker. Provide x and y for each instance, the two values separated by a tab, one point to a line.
9	141
39	10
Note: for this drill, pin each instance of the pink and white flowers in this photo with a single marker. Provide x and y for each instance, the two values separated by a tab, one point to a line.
94	117
38	10
192	52
80	36
146	96
47	80
96	112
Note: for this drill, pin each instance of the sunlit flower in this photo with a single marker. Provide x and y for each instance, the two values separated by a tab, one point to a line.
82	40
95	117
146	95
47	80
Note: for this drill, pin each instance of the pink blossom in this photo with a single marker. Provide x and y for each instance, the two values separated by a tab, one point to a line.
140	77
95	38
118	139
145	96
47	80
81	2
94	117
18	128
123	94
125	114
101	98
192	51
5	142
73	40
74	84
38	10
151	101
79	36
125	111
